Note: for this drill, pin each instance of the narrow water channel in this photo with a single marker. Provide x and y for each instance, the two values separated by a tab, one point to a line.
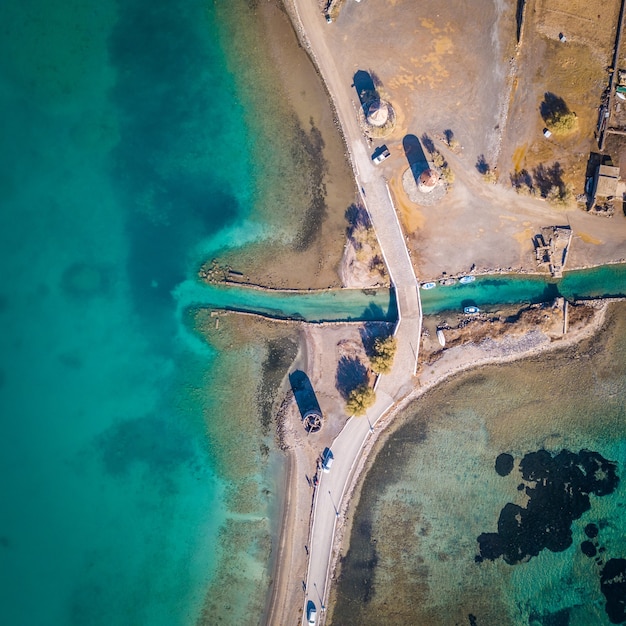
379	304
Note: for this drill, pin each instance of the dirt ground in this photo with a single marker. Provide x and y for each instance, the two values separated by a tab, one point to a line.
575	71
334	360
452	66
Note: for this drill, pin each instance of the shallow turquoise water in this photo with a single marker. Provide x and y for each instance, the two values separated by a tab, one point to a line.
356	304
111	503
433	490
320	306
488	291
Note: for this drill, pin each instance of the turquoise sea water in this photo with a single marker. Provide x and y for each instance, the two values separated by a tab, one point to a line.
113	114
127	157
379	304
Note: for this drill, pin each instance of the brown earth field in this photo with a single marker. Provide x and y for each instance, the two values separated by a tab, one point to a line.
455	69
574	71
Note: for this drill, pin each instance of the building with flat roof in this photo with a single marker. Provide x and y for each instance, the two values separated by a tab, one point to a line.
605	183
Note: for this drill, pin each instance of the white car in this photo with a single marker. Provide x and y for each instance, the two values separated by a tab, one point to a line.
381	154
327	460
311	613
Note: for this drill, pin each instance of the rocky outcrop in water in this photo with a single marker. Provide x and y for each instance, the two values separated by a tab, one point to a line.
558	488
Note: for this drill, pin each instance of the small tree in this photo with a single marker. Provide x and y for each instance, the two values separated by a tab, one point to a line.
490	177
360	399
438	160
560	196
447	174
384	354
562	122
524	189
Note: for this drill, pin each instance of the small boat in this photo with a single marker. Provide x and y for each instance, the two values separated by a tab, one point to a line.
471	310
429	285
440	336
447	281
467	279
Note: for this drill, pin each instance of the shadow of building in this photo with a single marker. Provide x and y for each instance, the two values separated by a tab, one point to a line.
363	83
308	405
415	155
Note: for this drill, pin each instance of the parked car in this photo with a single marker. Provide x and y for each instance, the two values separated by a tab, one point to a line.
327	460
380	154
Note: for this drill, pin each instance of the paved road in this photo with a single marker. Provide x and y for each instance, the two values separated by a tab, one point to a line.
349	443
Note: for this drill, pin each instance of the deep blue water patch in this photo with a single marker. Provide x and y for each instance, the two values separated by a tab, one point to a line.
558	488
612	574
504	464
173	99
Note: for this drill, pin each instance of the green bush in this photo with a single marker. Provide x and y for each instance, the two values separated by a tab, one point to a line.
562	122
438	160
360	399
384	354
447	174
560	196
490	177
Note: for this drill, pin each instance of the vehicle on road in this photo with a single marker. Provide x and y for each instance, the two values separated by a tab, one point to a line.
471	310
311	613
428	285
380	154
327	459
467	279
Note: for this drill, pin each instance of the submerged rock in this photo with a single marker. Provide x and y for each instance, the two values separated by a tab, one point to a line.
504	464
613	586
558	488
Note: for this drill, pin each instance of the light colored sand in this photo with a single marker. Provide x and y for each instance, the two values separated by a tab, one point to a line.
446	66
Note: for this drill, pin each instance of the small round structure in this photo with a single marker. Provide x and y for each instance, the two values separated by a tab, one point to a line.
427	181
427	196
312	421
378	113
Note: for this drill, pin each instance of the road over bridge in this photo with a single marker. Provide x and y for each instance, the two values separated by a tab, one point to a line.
390	387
